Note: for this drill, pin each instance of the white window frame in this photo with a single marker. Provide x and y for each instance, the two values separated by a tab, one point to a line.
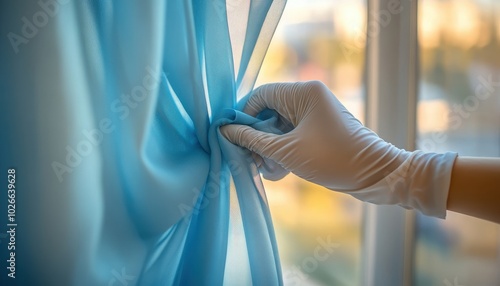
391	84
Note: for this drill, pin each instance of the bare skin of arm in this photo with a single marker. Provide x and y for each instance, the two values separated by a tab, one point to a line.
475	188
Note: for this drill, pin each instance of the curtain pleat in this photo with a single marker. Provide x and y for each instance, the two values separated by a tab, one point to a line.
112	112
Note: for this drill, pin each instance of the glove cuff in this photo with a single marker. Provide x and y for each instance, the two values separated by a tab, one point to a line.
421	182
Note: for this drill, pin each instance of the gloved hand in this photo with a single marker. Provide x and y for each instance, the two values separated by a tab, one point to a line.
330	147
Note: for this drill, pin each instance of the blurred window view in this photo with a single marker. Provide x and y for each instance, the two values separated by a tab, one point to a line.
318	230
458	110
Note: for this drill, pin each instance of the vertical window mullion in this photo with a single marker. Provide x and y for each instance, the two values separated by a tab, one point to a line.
391	82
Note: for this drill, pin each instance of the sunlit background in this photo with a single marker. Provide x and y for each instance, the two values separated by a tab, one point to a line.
459	52
459	43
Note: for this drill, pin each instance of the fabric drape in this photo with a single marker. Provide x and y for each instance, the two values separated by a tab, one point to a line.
110	116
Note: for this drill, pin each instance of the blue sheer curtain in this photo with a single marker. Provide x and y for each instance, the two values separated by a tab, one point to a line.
110	114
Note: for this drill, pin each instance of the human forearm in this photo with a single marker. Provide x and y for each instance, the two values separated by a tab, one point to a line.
475	188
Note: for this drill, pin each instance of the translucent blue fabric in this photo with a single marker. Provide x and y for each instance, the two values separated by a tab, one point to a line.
110	116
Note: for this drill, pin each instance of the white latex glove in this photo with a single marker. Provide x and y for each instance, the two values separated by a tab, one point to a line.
330	147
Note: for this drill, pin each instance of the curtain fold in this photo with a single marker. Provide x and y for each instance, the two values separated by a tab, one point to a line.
112	112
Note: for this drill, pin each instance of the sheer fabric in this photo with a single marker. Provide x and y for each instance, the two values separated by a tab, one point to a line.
111	112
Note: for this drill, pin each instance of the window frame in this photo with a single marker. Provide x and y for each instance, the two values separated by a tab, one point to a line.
391	83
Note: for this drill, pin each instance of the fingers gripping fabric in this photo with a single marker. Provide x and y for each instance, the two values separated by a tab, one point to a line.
330	147
129	175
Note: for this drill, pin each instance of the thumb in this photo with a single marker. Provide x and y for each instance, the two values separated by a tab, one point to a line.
262	143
